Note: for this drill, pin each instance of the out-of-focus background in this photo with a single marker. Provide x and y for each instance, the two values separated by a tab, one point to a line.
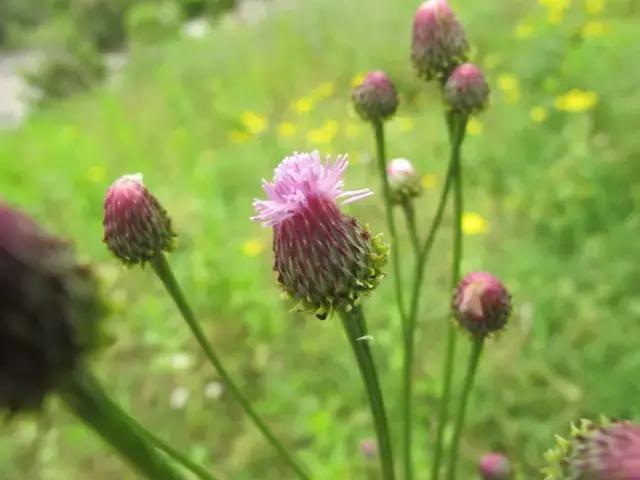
206	96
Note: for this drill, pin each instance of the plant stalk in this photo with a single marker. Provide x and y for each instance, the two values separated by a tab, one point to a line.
356	330
162	269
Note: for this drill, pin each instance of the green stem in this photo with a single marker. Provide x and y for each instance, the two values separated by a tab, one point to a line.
410	215
378	129
162	269
457	128
474	359
356	330
85	398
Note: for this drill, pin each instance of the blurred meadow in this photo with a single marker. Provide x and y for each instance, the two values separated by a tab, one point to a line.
552	178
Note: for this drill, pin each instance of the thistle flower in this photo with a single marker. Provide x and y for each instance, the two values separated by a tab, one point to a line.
403	180
438	42
136	227
375	99
605	451
466	90
49	310
323	259
494	466
481	304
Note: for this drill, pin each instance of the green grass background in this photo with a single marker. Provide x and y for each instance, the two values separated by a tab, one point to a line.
560	197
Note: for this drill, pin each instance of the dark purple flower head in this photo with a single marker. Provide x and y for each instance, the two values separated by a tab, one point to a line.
323	258
494	466
403	180
49	310
438	42
136	227
375	99
466	90
481	303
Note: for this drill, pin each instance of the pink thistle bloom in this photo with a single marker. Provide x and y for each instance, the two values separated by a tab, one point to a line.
403	180
466	90
375	99
136	226
481	303
323	258
438	42
495	466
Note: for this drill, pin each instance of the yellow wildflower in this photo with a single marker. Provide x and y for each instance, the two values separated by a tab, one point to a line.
429	181
593	28
510	86
523	30
324	134
286	129
252	248
238	136
253	122
594	7
324	90
357	79
576	101
474	127
538	114
304	105
96	174
474	224
351	129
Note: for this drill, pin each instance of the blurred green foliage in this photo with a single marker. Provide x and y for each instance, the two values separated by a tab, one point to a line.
551	170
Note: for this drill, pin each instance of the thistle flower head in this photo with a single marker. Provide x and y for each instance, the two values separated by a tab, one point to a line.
49	310
375	99
604	451
494	466
481	303
136	227
403	180
466	90
323	259
438	42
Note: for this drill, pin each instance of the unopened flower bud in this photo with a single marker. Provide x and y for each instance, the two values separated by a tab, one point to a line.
323	259
438	42
49	312
481	304
404	181
136	227
375	99
466	90
495	466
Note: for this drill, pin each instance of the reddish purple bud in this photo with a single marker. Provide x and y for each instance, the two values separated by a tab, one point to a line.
611	452
136	227
375	99
438	42
403	180
323	259
466	90
481	303
49	311
495	466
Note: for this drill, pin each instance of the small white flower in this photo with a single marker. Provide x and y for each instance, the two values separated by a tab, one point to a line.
179	398
213	390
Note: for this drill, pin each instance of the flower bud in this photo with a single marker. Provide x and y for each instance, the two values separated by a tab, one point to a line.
481	304
136	227
466	90
495	466
323	259
375	99
49	311
403	180
438	42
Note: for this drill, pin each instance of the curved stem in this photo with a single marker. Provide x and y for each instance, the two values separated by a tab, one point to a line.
457	129
410	215
86	399
356	330
474	359
162	269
